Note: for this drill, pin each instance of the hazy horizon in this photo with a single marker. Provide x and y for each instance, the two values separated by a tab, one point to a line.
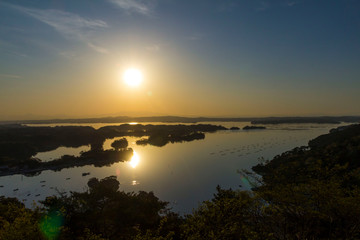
66	59
100	117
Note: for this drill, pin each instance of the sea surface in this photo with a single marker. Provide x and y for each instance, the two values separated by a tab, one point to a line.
184	174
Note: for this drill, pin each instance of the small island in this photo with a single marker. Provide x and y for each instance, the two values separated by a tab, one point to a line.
234	128
19	144
253	127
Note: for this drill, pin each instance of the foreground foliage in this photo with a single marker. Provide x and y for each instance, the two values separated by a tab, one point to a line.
307	193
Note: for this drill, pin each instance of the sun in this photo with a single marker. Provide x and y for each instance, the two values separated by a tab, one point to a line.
133	77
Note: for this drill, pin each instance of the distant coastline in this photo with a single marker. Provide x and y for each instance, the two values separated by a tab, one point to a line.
177	119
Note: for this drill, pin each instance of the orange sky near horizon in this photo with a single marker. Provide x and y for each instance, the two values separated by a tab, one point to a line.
223	60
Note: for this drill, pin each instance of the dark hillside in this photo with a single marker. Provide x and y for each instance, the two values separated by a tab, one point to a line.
338	149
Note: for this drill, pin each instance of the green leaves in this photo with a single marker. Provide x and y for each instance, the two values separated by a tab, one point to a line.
18	222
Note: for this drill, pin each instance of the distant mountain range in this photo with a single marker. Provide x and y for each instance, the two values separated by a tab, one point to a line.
174	119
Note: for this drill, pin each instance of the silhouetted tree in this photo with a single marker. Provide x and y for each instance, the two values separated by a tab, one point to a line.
120	144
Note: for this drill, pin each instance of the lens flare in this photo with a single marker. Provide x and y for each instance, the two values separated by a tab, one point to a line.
51	223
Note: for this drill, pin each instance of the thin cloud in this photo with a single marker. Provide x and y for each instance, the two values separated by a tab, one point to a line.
67	54
69	25
98	48
263	6
227	6
153	48
11	49
9	76
195	37
290	4
131	6
18	54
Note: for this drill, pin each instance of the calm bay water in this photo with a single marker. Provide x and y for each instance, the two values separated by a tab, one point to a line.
184	174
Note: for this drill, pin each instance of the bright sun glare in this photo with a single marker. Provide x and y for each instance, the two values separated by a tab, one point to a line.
135	159
133	77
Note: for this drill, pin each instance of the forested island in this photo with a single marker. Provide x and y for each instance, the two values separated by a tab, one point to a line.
310	192
253	127
18	144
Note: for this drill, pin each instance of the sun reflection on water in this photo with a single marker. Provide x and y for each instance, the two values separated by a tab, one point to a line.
134	182
134	161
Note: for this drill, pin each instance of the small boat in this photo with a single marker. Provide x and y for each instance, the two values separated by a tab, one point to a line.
85	174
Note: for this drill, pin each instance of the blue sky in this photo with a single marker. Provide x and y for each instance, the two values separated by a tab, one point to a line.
198	58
